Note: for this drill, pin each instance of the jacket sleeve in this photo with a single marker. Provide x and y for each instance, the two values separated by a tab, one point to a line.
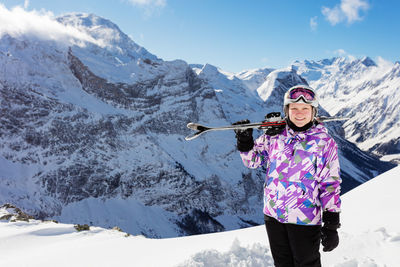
328	171
258	155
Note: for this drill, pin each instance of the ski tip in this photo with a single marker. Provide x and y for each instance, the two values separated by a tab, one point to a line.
188	138
191	137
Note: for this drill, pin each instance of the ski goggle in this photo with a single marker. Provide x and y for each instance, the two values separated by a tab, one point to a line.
299	92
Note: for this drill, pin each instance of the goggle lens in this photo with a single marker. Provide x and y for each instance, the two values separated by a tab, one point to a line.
306	93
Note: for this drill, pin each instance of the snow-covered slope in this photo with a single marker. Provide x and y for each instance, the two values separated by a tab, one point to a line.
369	236
367	92
253	78
92	131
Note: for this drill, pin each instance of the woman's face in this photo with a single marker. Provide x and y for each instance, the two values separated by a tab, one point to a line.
300	113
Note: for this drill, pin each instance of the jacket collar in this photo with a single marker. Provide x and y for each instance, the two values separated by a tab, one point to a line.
315	129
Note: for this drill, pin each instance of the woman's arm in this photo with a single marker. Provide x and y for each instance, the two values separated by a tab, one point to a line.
329	177
258	155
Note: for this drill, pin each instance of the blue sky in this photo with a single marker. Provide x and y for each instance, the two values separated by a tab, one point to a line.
241	34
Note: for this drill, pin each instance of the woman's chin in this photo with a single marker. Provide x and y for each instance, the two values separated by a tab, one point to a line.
300	123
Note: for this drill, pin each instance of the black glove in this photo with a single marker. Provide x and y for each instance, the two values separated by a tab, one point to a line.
273	130
329	234
244	137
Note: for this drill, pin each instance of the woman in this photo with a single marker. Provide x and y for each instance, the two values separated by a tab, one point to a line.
302	187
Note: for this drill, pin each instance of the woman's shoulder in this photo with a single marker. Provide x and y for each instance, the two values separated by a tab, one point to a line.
320	131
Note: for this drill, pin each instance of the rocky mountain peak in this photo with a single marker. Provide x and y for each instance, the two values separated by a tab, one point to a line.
368	62
110	38
277	82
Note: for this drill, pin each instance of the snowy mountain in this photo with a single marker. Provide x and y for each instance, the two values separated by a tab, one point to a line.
93	125
367	92
369	236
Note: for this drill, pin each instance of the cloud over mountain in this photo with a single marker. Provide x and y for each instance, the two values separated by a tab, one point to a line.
41	24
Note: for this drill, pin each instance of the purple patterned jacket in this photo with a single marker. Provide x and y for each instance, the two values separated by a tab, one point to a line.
302	174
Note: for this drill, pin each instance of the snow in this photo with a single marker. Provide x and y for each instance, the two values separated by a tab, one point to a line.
390	157
117	211
11	176
370	236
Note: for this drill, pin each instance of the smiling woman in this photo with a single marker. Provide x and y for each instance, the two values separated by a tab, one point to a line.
300	114
302	185
301	106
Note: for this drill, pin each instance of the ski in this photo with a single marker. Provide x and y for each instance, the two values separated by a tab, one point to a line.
200	129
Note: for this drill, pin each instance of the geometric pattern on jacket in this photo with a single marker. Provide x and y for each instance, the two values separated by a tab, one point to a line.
303	174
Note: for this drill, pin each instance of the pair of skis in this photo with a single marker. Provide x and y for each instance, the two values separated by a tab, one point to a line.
200	129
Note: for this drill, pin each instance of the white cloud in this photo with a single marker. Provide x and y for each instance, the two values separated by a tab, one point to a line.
157	3
347	10
150	7
314	23
19	22
26	4
351	9
333	15
383	63
340	52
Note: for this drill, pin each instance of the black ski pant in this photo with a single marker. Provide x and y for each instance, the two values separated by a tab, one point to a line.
294	245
